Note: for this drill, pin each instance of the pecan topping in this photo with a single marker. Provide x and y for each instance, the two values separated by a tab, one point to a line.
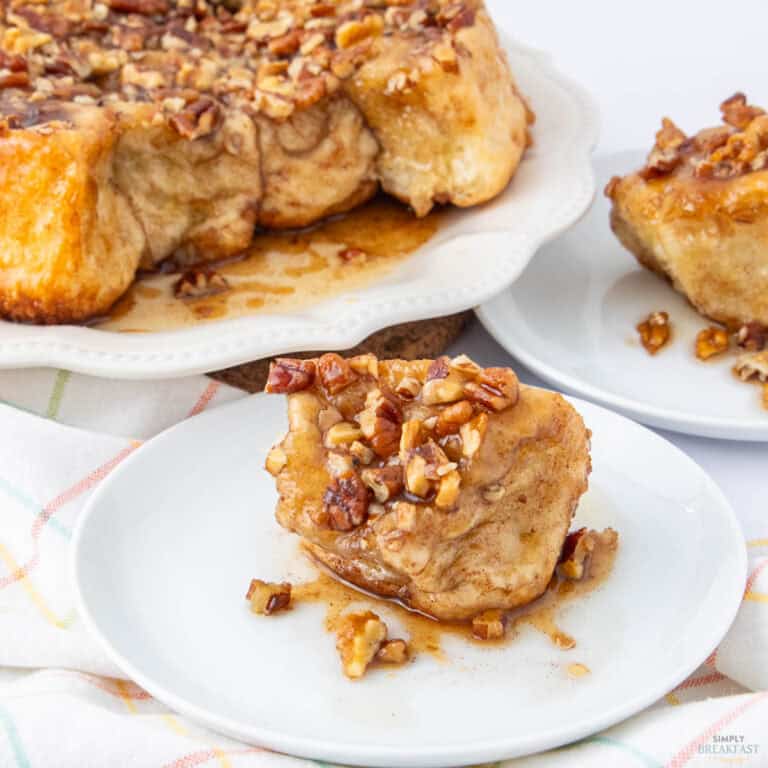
346	503
264	57
712	342
386	482
335	373
738	113
391	443
199	119
655	332
266	598
199	283
358	640
287	376
491	625
752	337
495	389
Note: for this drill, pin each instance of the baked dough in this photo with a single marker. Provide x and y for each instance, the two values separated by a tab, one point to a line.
439	483
135	129
698	214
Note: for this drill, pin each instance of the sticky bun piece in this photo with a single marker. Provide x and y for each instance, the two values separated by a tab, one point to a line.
697	213
448	486
133	130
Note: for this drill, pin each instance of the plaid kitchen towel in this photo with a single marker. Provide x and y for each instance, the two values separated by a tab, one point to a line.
64	705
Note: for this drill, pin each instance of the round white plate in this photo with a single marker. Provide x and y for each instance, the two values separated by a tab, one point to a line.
167	546
571	319
476	254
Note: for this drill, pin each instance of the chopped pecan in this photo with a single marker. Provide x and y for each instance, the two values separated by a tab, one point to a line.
358	640
386	482
381	422
577	551
393	652
143	7
655	331
495	389
13	62
464	18
199	284
490	625
453	417
439	369
752	366
287	376
335	373
267	598
343	433
752	337
738	113
448	490
198	120
472	435
346	503
416	480
665	155
711	342
14	80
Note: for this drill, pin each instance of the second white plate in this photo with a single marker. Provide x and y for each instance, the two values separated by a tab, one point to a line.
571	319
168	544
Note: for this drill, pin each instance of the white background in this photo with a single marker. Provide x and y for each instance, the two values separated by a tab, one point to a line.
641	61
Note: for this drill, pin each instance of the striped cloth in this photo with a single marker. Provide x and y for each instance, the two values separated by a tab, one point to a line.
64	704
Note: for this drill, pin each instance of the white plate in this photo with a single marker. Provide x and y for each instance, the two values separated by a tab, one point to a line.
571	319
473	257
168	544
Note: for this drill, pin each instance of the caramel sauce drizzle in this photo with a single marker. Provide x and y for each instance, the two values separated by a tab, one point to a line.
425	634
281	271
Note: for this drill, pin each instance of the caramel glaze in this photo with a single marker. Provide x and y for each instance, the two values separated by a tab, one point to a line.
281	271
425	634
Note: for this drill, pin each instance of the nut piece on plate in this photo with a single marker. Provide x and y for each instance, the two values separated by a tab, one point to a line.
752	337
712	342
393	652
489	625
136	129
446	485
359	639
267	598
697	213
655	332
199	283
579	548
753	366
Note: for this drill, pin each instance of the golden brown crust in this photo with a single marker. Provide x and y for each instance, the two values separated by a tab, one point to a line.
697	213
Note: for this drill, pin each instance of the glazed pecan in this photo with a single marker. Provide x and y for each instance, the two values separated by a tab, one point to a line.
496	389
738	113
346	503
386	482
142	7
199	283
335	373
267	598
752	337
199	119
711	342
287	376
